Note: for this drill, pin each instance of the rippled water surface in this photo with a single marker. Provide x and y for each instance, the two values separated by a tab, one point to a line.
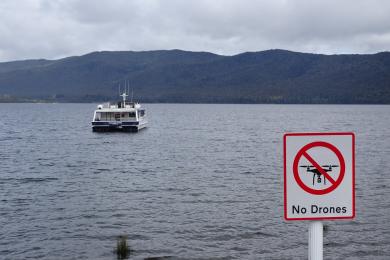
202	182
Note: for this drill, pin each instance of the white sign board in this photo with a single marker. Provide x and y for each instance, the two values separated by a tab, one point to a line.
319	176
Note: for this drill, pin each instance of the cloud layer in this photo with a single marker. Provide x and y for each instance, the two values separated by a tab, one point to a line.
57	28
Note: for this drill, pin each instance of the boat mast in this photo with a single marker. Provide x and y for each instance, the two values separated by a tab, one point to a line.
124	95
128	90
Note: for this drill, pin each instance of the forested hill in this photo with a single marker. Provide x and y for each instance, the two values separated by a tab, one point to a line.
273	76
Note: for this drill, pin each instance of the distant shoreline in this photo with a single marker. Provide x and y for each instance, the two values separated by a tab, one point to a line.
184	103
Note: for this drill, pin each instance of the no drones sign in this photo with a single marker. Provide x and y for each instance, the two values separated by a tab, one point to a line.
319	179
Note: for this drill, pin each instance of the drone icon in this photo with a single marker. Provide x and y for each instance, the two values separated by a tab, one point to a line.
316	172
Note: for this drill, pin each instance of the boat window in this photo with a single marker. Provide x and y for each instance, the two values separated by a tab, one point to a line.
103	116
132	114
123	114
117	116
97	117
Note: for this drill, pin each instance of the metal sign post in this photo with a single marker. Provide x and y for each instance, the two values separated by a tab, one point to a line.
315	240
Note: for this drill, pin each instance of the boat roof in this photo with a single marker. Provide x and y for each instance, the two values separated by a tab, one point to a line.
127	109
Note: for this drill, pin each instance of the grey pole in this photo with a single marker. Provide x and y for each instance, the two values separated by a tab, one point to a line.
316	240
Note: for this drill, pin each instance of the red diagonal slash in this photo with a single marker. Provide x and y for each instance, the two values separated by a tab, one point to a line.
319	168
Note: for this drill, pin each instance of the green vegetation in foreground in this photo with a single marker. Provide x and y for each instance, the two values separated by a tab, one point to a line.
122	248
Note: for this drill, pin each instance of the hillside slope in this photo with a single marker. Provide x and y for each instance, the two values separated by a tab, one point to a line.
273	76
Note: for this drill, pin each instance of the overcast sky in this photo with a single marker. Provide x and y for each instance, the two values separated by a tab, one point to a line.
58	28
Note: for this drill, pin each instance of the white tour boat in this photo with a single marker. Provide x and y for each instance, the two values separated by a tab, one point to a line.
123	116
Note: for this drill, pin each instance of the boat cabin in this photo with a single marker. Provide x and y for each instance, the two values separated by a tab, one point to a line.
123	116
131	112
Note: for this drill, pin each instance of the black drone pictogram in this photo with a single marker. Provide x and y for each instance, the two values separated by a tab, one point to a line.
316	172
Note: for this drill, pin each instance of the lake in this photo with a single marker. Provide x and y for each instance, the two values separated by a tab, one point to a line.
203	181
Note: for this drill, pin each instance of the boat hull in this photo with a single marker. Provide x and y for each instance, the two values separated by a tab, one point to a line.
99	126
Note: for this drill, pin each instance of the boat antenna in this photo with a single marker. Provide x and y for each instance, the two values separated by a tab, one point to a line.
124	95
125	85
127	89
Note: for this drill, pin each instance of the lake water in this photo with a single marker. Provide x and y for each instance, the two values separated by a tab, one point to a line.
201	182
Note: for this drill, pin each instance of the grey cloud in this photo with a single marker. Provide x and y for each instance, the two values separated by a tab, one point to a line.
58	28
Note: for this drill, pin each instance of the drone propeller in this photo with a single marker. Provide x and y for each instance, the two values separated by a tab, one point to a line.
306	166
329	166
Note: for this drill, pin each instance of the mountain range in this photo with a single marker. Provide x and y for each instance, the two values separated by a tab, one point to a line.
272	76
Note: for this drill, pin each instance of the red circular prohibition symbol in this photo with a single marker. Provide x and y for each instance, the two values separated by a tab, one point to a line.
303	152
